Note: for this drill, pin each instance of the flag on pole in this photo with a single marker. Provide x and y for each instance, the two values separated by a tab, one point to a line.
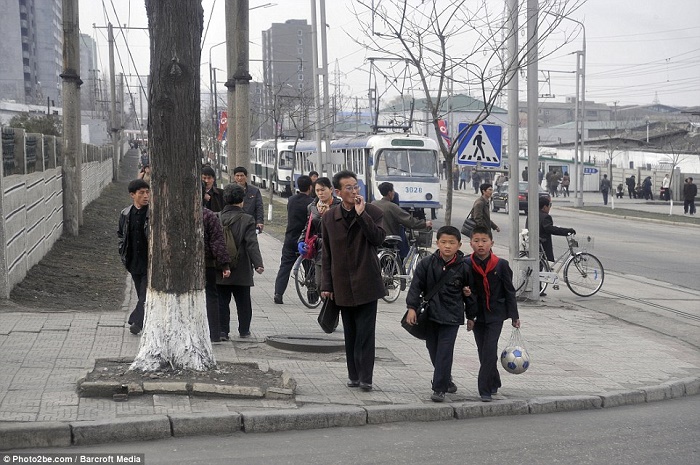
223	125
442	124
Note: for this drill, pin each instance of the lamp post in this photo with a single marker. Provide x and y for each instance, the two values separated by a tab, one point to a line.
215	112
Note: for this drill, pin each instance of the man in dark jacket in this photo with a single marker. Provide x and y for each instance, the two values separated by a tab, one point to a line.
547	228
690	191
631	185
133	246
481	210
240	281
213	197
351	274
252	204
297	214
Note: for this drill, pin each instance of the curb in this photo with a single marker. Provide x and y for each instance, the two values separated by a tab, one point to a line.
56	434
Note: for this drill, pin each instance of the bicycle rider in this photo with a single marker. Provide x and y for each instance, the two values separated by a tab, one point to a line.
547	228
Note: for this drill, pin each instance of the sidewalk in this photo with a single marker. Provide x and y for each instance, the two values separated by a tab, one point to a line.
580	359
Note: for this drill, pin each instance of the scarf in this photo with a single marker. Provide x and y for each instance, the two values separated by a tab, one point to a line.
490	266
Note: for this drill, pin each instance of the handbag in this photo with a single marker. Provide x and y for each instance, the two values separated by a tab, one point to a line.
420	329
310	241
468	225
329	316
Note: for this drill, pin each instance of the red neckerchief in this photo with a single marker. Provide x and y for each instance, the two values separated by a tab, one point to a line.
490	266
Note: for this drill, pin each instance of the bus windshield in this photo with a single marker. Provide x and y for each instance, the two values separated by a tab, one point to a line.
286	159
406	162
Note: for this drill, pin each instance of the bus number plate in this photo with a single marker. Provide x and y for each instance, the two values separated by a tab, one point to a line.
413	190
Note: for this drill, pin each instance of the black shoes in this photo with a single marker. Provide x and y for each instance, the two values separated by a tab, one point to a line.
353	383
438	396
135	329
451	388
224	337
278	299
365	386
486	398
244	335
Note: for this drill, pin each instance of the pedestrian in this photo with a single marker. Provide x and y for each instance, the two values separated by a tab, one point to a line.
665	188
253	204
145	173
395	217
455	178
463	178
133	246
213	197
481	210
646	189
351	234
325	200
565	183
216	261
690	191
547	228
620	191
240	281
446	307
631	184
524	174
495	302
296	220
605	188
476	181
540	176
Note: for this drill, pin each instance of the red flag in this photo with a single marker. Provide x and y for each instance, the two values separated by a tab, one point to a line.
442	124
223	125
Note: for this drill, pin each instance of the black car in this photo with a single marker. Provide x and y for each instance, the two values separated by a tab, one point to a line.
499	200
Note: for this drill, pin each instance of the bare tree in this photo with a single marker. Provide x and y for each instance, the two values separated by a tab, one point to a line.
462	41
175	332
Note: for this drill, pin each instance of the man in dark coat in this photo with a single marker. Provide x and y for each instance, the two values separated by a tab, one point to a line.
213	197
547	228
252	204
631	185
690	191
296	220
351	274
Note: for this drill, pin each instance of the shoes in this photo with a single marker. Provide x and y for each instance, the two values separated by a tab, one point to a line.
312	296
494	391
438	396
135	329
365	386
215	339
244	335
278	299
486	398
451	388
353	383
543	294
224	337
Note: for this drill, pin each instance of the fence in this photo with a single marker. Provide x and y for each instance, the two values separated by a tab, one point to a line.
31	183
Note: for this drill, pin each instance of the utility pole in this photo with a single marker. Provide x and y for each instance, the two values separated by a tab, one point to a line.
72	160
121	115
113	108
532	152
317	89
326	89
513	128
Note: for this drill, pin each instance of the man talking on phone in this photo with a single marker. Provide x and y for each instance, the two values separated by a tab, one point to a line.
351	274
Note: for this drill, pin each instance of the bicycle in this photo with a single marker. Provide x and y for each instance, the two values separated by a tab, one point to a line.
397	274
304	272
583	272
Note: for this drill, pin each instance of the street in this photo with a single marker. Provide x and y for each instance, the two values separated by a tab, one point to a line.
665	433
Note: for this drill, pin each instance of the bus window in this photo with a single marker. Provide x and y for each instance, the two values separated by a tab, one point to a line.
393	163
423	163
286	159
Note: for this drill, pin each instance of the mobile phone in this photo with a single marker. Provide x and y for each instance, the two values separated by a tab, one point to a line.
358	200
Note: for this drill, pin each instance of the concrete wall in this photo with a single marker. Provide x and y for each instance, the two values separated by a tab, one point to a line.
31	202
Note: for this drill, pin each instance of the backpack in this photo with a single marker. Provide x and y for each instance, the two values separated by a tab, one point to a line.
231	244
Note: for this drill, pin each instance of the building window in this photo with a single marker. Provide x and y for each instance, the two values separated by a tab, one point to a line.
300	77
299	41
300	51
300	32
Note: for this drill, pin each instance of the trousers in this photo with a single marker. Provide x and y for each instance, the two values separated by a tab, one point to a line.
212	296
141	284
289	256
440	342
486	337
359	326
244	307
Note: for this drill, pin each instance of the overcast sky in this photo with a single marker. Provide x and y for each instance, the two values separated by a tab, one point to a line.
637	51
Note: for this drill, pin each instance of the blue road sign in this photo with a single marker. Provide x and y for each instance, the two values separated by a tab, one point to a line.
480	145
590	170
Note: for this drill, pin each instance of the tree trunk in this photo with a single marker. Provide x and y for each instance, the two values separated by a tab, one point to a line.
175	332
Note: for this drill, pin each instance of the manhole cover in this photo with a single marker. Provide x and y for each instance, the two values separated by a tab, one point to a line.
319	344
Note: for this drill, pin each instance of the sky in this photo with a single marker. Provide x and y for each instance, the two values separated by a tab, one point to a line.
638	52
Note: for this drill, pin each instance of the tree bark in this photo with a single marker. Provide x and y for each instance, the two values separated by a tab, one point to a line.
175	329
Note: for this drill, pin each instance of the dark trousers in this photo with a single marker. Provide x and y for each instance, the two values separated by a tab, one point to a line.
359	325
243	306
486	336
605	196
631	192
462	183
289	256
140	283
440	342
212	302
689	206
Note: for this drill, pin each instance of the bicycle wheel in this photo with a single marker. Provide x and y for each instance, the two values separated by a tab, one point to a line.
520	281
390	275
544	266
411	267
584	274
305	282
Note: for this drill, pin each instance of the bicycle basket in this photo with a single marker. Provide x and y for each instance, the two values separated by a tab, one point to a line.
424	238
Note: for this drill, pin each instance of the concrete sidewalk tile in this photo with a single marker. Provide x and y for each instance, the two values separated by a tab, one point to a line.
677	388
567	403
377	414
34	435
120	430
198	424
692	386
505	407
656	393
306	418
226	390
468	409
618	398
163	387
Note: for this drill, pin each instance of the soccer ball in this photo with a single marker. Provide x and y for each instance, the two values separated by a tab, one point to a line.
515	359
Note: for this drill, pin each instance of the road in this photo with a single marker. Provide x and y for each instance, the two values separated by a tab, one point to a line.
665	433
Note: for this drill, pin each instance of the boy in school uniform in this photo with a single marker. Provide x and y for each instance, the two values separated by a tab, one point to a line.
495	302
446	308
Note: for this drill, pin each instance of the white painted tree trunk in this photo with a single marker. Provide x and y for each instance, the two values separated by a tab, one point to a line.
175	333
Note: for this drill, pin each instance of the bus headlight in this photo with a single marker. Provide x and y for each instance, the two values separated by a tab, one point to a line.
428	196
288	178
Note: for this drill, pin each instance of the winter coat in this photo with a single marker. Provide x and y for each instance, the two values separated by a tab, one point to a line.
482	213
350	264
216	202
123	232
215	252
690	191
249	256
547	229
395	217
253	204
297	216
447	306
502	296
312	209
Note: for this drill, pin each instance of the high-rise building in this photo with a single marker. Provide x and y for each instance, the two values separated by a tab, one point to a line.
31	51
288	70
88	73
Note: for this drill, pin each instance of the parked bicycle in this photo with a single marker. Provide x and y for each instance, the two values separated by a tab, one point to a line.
397	273
304	272
583	272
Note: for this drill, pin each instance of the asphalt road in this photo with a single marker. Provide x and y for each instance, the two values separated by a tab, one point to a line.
665	433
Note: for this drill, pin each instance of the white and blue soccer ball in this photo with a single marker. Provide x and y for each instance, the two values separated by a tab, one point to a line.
515	359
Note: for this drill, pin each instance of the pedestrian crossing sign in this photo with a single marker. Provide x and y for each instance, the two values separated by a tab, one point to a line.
480	145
